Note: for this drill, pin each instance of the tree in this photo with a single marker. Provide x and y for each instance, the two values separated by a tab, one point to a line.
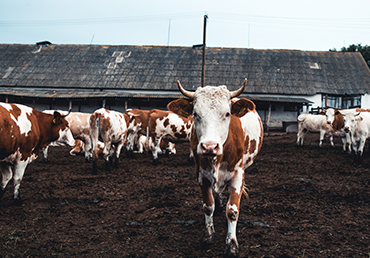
364	50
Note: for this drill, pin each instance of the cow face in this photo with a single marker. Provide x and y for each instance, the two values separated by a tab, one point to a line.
211	109
211	113
64	134
330	113
350	121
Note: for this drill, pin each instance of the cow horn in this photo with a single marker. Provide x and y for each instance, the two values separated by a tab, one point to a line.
69	109
236	93
184	92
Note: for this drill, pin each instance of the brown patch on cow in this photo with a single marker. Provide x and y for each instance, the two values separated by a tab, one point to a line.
234	199
338	122
246	144
105	124
167	122
253	146
233	147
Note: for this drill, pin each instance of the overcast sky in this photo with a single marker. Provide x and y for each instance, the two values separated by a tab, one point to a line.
261	24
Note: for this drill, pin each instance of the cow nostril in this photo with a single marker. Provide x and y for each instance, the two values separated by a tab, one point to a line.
328	122
209	148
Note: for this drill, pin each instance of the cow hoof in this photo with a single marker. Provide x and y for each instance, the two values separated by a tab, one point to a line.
2	191
95	169
191	161
46	161
208	238
18	202
231	249
218	203
156	161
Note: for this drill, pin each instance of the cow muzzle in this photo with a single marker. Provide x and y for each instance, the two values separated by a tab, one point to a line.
209	148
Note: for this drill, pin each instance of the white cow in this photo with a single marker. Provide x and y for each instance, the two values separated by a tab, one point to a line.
313	123
358	125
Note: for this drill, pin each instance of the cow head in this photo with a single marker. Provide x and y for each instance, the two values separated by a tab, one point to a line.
63	132
211	109
350	121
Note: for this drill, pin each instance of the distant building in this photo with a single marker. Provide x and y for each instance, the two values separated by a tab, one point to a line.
282	83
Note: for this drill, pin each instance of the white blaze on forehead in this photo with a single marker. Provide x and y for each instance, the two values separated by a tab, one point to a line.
212	97
22	121
211	124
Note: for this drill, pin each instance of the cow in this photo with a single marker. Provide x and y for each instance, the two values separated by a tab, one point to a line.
111	127
80	128
313	123
357	124
165	146
334	118
24	131
225	138
138	125
79	148
163	123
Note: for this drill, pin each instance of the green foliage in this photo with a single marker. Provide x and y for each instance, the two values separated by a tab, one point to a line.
364	50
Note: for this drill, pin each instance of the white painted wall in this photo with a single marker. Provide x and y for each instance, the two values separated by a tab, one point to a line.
365	101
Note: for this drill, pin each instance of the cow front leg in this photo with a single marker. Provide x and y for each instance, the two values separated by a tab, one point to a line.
7	174
232	215
208	209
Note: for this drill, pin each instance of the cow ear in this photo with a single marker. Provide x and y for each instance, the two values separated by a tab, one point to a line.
57	117
242	106
182	107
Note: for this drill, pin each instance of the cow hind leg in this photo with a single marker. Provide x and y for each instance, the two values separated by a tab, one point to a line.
156	141
19	169
7	174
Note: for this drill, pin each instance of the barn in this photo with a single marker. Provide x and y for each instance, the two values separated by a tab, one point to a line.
282	83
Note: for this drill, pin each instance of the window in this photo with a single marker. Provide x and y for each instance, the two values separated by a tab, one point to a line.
341	102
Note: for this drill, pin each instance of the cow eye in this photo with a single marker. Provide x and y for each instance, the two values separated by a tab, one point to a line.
227	114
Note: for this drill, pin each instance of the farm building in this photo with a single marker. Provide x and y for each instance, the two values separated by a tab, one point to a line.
282	83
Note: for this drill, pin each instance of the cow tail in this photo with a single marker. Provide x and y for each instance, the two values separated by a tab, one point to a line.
245	192
147	141
94	131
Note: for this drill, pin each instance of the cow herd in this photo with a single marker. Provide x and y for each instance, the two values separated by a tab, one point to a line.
225	136
351	125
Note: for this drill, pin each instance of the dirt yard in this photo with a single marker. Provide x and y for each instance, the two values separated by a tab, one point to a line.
304	202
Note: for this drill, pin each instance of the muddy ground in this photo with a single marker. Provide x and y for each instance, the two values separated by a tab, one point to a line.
304	202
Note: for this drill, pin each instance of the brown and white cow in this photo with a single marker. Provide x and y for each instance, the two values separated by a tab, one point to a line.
24	131
334	117
79	148
165	146
170	125
111	127
225	138
80	128
138	125
356	125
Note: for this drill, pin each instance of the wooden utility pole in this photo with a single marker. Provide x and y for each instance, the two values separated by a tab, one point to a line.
204	51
